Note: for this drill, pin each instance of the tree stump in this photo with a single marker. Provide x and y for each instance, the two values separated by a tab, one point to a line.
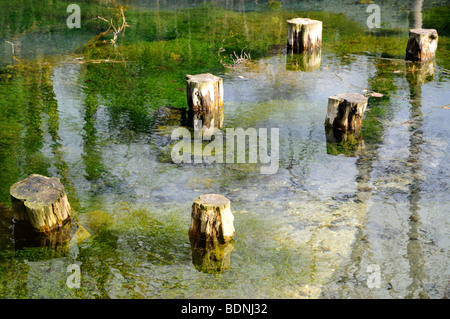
345	111
304	35
211	219
205	101
40	201
422	45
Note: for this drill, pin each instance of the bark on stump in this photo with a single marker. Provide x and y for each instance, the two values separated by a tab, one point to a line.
345	111
212	219
40	201
205	101
304	35
422	45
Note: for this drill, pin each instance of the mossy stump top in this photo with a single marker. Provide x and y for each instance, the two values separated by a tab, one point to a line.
41	201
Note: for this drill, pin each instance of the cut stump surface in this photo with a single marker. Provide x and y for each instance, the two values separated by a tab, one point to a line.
41	201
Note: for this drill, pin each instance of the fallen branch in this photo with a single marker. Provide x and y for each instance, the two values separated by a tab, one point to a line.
116	30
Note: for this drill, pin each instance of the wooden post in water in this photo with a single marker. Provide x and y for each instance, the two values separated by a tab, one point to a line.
205	101
211	219
422	45
345	111
211	233
304	34
40	201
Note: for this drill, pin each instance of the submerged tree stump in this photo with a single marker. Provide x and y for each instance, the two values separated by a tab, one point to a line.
305	61
422	45
304	35
349	144
345	111
211	219
205	101
419	73
212	259
40	201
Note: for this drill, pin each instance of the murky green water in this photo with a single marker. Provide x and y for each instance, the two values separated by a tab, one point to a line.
309	231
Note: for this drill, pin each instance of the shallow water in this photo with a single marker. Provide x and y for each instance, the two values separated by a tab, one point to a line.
309	231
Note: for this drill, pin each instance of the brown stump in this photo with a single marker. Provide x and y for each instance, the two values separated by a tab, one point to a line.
211	219
304	35
422	45
345	111
205	101
40	201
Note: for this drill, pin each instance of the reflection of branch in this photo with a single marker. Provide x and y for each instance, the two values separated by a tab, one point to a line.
12	48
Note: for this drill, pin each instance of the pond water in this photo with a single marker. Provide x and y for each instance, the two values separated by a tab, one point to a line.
331	216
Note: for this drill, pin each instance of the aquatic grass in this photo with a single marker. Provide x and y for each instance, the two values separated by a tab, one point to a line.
32	15
437	18
164	46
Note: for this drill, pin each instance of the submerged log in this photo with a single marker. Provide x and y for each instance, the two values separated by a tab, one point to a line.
40	201
205	101
304	35
345	111
211	219
422	45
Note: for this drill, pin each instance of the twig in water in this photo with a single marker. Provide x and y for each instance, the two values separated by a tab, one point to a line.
12	49
116	30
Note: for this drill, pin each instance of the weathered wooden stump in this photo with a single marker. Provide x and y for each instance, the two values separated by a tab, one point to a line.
212	219
205	101
345	111
304	61
304	34
40	201
422	45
